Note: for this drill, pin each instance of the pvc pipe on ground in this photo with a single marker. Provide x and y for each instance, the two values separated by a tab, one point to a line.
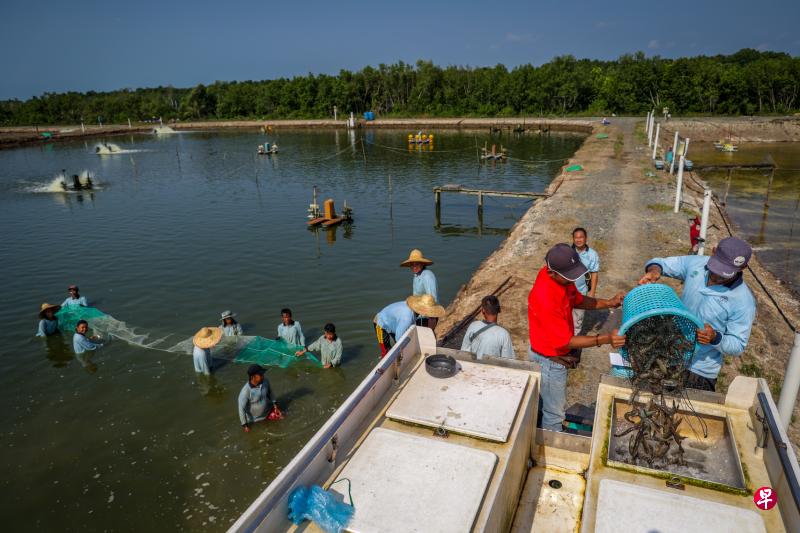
701	246
791	384
648	130
674	149
686	148
655	139
679	188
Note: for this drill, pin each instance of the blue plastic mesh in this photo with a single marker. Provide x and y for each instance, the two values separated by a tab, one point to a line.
655	299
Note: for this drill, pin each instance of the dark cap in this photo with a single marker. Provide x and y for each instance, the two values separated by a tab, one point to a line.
730	257
564	260
72	287
252	370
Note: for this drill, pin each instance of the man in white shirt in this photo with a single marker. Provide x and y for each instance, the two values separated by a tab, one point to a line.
485	337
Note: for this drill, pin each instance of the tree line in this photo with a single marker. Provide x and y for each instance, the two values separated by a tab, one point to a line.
745	83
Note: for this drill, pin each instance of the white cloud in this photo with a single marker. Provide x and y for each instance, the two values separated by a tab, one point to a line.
653	44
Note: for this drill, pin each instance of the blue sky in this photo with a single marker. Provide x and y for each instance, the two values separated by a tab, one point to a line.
54	46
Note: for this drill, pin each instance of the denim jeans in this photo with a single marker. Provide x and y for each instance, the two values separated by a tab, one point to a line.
553	393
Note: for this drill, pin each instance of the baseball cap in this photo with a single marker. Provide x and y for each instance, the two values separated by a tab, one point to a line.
252	370
564	260
730	258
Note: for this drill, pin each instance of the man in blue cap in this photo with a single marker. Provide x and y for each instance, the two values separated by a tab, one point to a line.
715	292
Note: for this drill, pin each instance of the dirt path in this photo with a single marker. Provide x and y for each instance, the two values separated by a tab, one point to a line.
627	209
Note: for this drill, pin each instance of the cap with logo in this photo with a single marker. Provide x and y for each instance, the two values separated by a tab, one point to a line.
564	260
730	258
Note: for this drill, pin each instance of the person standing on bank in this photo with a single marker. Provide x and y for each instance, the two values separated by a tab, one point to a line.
256	400
203	341
48	323
423	282
715	292
485	337
553	343
587	284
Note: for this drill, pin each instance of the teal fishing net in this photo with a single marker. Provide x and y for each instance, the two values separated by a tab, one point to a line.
240	348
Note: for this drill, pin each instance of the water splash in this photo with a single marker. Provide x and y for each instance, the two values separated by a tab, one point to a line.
62	183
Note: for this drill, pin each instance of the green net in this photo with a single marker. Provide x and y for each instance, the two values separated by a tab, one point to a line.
239	348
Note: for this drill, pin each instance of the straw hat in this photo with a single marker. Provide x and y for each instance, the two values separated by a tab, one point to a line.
46	306
207	337
416	257
425	305
227	314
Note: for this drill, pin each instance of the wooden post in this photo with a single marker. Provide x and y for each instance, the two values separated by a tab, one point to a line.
480	204
438	197
727	188
769	186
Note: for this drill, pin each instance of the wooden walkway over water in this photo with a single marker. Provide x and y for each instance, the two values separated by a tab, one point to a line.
480	193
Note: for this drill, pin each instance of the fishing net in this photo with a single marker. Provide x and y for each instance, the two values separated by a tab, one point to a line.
238	348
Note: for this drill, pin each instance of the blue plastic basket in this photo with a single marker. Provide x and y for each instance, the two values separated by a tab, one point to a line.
655	299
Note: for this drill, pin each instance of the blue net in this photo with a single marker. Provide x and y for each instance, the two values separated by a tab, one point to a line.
320	506
270	352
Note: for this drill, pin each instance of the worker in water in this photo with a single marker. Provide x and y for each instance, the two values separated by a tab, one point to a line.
229	325
424	282
394	319
715	292
48	323
290	330
203	341
81	343
74	298
553	343
586	285
329	347
485	337
256	400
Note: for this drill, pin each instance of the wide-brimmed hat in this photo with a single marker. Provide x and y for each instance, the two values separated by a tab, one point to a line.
425	305
730	257
416	257
564	260
46	306
207	337
227	314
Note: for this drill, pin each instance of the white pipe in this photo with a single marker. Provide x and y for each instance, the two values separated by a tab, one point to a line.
686	148
678	188
674	149
791	384
655	139
649	130
701	246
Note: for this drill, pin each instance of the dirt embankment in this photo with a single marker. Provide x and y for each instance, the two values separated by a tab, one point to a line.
784	129
627	208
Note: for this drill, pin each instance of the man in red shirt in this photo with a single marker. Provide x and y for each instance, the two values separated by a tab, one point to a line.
553	343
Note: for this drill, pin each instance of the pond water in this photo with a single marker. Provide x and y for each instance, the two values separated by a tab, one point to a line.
184	227
774	229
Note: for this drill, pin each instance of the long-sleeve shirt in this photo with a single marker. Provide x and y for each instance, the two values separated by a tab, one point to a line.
255	403
202	360
729	309
330	352
47	327
492	341
395	318
74	301
231	329
81	344
425	283
292	334
590	260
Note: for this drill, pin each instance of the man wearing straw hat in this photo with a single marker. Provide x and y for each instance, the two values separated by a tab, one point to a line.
395	319
203	341
48	325
553	343
424	282
715	292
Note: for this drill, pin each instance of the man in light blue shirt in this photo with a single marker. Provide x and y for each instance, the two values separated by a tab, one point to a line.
255	399
229	324
48	323
395	319
290	330
485	337
81	343
424	282
74	298
715	292
591	261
